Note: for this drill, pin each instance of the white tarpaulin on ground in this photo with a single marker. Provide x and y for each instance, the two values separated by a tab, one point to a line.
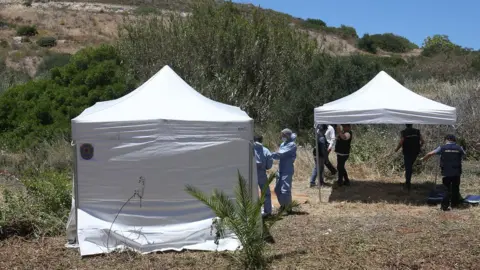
385	101
168	135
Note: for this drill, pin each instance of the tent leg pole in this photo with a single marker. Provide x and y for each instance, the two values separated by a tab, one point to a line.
317	162
250	160
75	188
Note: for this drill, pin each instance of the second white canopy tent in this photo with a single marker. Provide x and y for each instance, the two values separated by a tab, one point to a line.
383	100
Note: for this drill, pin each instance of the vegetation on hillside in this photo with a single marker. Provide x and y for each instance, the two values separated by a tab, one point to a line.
42	109
388	42
253	60
345	32
259	63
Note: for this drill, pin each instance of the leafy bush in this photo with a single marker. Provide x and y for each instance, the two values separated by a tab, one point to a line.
52	60
476	62
47	42
366	43
440	44
3	43
3	24
42	109
28	3
347	32
10	77
392	43
41	209
315	24
27	30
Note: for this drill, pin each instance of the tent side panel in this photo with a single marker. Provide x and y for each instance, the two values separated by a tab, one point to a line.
168	155
385	116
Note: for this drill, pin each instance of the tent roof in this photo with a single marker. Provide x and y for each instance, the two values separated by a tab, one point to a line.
164	96
385	101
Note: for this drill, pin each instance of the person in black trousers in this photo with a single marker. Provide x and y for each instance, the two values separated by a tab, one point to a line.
451	155
411	142
342	149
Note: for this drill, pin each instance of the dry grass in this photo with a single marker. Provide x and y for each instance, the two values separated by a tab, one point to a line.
372	224
75	27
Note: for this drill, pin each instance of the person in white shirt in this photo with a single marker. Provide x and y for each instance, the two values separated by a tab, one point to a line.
331	138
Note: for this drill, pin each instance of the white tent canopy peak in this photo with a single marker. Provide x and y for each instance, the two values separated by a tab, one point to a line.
383	100
164	96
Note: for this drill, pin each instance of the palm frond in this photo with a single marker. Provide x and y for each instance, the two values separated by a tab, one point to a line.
242	217
210	201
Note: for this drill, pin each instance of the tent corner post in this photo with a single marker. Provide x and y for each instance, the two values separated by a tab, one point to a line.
75	188
250	159
317	162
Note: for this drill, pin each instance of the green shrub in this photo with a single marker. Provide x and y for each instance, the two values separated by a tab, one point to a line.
476	62
315	24
440	44
47	42
27	30
366	43
4	24
392	43
41	209
3	43
347	32
10	77
52	60
28	3
42	109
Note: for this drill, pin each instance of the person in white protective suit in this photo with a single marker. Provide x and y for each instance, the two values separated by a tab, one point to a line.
286	154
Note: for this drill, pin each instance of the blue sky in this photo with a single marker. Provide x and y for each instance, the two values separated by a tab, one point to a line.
413	19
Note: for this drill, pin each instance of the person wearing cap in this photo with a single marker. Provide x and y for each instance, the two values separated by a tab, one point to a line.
264	161
411	142
286	154
322	154
342	149
451	155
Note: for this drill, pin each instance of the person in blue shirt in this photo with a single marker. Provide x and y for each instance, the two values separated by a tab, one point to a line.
264	161
286	154
451	155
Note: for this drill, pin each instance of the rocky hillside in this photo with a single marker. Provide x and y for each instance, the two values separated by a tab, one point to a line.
65	27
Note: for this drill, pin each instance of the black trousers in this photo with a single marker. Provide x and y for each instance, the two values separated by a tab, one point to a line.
452	198
342	172
409	160
328	164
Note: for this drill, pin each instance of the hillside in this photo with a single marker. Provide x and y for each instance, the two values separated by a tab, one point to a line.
79	24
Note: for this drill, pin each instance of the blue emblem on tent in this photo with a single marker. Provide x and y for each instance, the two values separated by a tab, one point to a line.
86	151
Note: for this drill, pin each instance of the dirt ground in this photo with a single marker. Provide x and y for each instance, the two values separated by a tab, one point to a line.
373	224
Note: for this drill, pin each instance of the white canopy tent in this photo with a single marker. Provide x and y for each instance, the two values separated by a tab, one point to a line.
134	157
385	101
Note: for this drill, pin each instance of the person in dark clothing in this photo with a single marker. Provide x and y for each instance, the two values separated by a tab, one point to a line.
322	146
342	149
451	155
411	142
